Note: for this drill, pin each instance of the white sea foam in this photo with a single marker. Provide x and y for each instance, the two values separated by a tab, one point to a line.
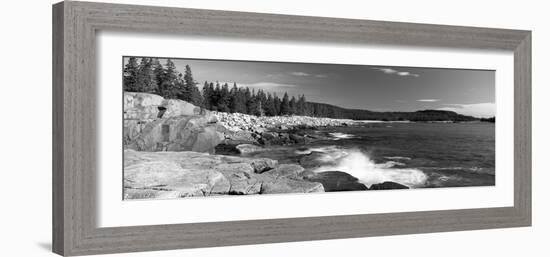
359	165
339	135
390	164
323	149
307	151
397	158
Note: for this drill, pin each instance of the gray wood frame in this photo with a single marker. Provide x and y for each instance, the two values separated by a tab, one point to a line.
74	130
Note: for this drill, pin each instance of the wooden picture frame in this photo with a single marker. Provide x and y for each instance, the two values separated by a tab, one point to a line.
74	130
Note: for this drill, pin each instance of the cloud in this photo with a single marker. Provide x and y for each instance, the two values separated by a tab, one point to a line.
428	100
396	72
305	74
386	70
300	74
265	85
483	110
406	73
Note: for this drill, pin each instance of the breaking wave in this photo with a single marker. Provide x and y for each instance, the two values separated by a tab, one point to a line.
339	135
361	166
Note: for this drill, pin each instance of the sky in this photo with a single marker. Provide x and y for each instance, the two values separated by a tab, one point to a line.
375	88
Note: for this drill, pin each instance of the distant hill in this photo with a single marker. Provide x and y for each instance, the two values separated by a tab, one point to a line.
332	111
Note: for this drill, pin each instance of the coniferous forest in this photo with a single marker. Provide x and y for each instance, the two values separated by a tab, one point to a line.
149	75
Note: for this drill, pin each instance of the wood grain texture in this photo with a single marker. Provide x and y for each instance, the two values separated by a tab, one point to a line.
74	126
58	230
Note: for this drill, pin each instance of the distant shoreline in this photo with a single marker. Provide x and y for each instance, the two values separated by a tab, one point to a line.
234	121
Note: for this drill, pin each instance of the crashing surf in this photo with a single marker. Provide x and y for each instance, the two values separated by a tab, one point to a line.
361	166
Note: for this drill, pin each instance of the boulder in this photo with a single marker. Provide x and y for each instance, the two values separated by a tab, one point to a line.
240	136
263	164
306	174
218	183
387	185
141	105
244	186
174	108
131	194
337	181
286	171
139	100
207	140
258	129
142	113
165	175
284	138
274	138
133	128
286	185
182	133
297	139
241	169
268	138
152	123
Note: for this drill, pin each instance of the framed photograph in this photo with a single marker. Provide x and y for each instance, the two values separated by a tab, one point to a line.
183	128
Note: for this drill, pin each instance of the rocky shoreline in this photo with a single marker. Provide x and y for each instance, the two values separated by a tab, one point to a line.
185	174
272	130
166	175
240	122
174	149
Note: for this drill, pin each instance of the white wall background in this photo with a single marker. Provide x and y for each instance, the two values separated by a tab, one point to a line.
25	165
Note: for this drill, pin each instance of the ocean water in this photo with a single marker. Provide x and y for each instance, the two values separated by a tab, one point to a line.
418	155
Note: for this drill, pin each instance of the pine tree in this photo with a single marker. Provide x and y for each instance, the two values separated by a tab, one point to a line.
285	105
276	105
256	104
189	91
182	91
160	75
196	97
241	101
224	99
235	102
130	75
261	100
293	106
153	87
168	80
206	95
188	76
215	97
248	100
270	106
302	106
212	97
146	81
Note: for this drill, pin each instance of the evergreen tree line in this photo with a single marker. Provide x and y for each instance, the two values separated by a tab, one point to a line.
150	76
222	98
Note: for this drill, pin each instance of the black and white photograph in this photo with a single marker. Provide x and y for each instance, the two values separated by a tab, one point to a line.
275	128
197	127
